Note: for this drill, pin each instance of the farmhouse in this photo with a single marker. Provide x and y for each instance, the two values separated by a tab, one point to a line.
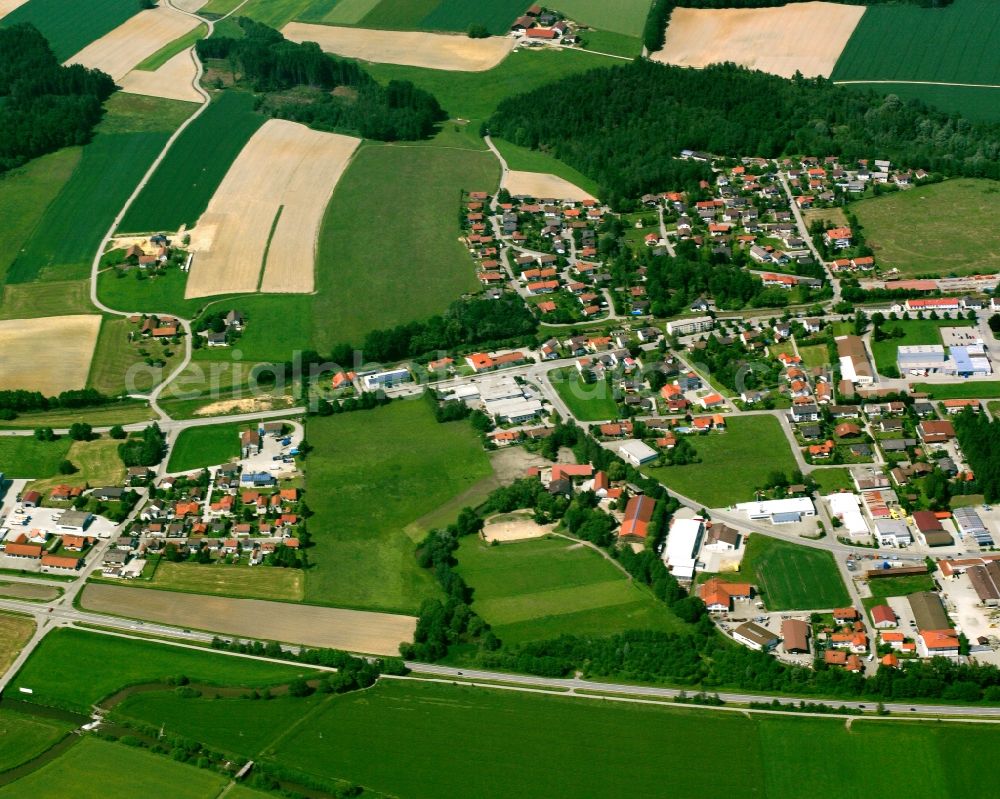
635	526
795	636
718	595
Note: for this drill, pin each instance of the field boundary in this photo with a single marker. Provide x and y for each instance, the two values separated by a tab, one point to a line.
918	83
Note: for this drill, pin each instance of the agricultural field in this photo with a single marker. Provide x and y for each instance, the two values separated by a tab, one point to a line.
15	632
169	50
956	44
24	737
119	51
111	663
337	12
70	27
444	15
451	52
730	467
971	389
976	103
543	184
900	586
174	80
198	447
126	412
30	591
365	489
312	625
779	40
525	160
127	140
115	771
625	16
611	43
915	331
236	581
23	456
266	212
97	462
403	240
273	13
790	576
934	230
25	193
544	588
119	364
589	402
52	298
50	354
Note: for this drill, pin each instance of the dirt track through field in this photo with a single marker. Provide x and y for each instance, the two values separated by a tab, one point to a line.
544	185
804	37
6	6
286	168
50	354
455	52
119	51
351	630
174	80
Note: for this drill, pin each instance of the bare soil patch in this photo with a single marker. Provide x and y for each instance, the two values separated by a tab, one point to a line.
50	354
118	52
174	80
514	527
544	185
455	52
351	630
803	37
281	180
44	593
244	405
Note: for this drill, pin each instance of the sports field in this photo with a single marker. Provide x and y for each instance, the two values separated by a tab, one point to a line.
790	576
198	447
110	663
70	27
337	628
262	582
97	462
730	466
389	249
23	456
50	354
115	771
132	133
24	737
185	181
364	489
544	588
915	331
589	402
624	16
936	229
15	632
956	44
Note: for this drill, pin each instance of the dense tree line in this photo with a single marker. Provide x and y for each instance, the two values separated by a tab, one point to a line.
147	449
980	441
45	105
626	126
15	401
297	82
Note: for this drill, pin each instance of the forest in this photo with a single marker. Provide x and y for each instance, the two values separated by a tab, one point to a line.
980	441
45	106
626	126
298	82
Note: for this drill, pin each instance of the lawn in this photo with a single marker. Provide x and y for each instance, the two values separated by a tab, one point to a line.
127	141
475	95
198	447
95	767
15	632
116	413
934	230
25	193
976	103
610	42
589	402
544	588
814	355
261	582
790	576
393	255
372	473
956	44
900	586
832	480
119	365
25	737
54	668
97	462
70	27
915	331
973	389
731	466
168	51
185	181
624	16
23	456
521	158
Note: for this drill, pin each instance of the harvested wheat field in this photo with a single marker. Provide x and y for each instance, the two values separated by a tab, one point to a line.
514	527
352	630
49	354
135	40
275	191
803	37
6	6
173	81
542	185
455	52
